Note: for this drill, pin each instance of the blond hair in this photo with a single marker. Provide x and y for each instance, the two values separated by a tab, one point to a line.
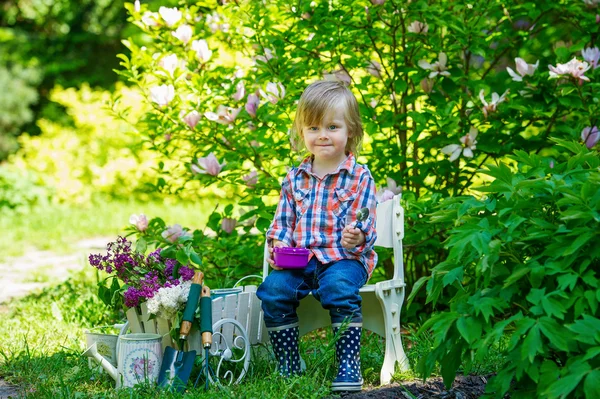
317	100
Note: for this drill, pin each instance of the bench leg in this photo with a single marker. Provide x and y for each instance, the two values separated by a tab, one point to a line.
391	299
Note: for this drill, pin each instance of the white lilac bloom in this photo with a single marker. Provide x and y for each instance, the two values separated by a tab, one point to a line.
523	69
240	91
273	92
437	68
573	68
169	300
418	27
140	222
374	69
208	165
162	95
173	233
201	49
184	33
492	106
252	105
228	224
224	115
590	136
170	15
466	147
192	119
591	55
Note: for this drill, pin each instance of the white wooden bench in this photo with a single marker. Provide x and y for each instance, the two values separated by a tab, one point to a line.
381	302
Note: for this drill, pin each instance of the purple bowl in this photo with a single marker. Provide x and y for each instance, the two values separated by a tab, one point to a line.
291	258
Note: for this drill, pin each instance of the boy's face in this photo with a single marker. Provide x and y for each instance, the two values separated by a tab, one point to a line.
327	140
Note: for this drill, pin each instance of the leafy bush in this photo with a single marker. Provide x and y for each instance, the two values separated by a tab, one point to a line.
524	261
20	190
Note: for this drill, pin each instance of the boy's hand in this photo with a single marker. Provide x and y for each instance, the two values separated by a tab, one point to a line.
275	244
352	237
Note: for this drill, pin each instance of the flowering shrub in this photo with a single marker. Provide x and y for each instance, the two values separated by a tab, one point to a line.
143	276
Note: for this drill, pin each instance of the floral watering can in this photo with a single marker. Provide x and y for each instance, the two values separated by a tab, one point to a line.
139	358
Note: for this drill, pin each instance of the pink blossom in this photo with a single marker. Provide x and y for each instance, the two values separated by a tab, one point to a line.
468	145
240	91
490	107
590	136
202	51
437	68
523	69
140	222
574	68
228	224
173	233
183	33
340	75
427	85
374	69
251	179
192	119
208	165
383	195
418	27
224	115
591	55
273	92
162	95
252	104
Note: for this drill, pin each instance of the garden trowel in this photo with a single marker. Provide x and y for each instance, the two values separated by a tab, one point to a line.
177	365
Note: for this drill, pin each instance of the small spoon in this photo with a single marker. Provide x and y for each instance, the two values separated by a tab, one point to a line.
361	216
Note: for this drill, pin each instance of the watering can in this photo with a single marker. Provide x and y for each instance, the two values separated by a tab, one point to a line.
139	357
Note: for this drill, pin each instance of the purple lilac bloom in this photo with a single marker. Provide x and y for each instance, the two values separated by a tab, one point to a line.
132	297
169	266
186	273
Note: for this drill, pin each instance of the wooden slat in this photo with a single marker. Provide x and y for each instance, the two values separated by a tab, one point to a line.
229	313
243	309
149	325
164	329
134	321
217	314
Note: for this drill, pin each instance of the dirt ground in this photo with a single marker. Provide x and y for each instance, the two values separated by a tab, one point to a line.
464	387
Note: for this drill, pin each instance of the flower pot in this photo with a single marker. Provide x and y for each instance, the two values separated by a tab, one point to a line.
106	344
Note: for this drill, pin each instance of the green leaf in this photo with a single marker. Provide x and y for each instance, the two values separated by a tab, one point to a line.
586	329
591	385
415	289
182	257
532	344
141	245
469	328
565	385
195	258
556	333
516	276
553	307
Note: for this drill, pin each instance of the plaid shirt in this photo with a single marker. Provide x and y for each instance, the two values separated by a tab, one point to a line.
312	211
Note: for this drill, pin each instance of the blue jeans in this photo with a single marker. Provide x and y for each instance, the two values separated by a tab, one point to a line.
334	284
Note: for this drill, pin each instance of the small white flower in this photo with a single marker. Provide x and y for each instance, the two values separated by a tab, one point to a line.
184	33
490	107
591	55
201	49
437	68
523	69
468	145
273	92
162	95
170	15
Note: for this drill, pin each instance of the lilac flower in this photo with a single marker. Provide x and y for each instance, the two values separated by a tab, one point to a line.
591	55
590	136
186	273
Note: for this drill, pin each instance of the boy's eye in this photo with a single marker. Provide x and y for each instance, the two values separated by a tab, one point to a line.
312	128
332	127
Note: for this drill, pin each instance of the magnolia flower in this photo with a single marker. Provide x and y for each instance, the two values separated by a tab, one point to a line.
140	222
438	67
150	19
373	103
162	95
228	224
418	27
240	91
490	107
224	115
591	55
374	69
173	233
169	63
273	92
523	68
201	49
393	186
208	165
251	179
575	68
377	2
252	104
590	136
265	58
169	15
183	33
427	85
192	119
137	6
466	148
340	75
383	195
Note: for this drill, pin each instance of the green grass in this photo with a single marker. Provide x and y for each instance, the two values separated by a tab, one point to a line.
43	339
59	227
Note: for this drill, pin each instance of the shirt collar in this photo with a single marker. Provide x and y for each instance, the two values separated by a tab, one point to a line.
347	164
